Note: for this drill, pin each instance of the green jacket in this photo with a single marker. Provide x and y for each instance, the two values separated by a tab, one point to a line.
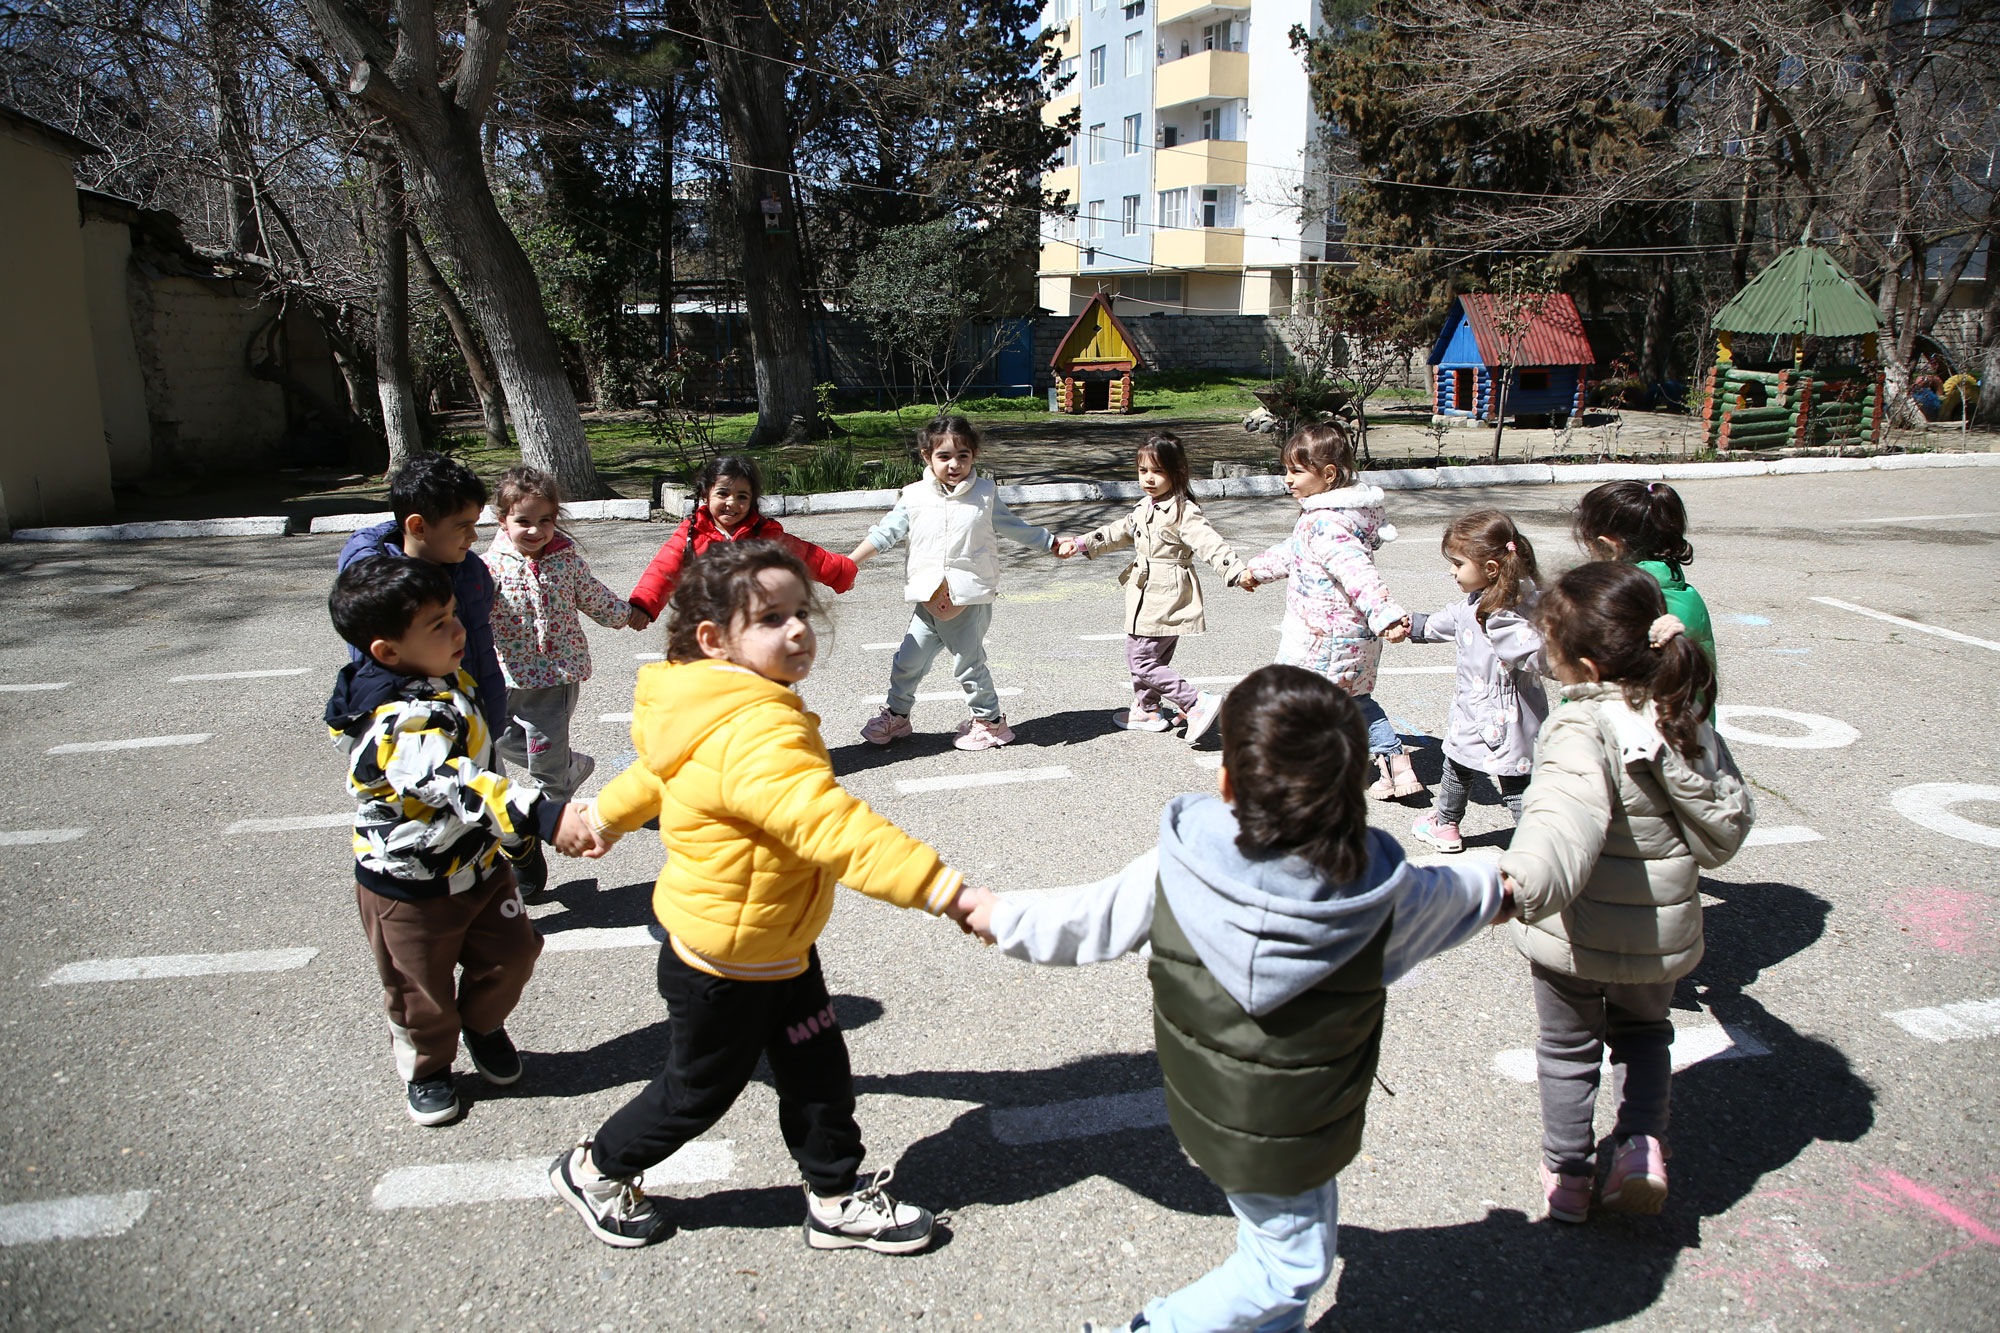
1270	1105
1684	602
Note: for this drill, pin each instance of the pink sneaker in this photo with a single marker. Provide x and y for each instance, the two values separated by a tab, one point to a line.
1568	1196
884	727
1638	1179
1434	831
1136	718
980	734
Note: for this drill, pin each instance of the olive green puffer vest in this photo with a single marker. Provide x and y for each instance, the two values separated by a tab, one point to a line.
1270	1105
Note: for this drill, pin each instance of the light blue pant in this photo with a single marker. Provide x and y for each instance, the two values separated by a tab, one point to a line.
1382	738
965	635
1284	1254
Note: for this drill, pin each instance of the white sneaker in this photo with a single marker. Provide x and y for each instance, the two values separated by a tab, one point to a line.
1136	718
868	1218
616	1210
1202	716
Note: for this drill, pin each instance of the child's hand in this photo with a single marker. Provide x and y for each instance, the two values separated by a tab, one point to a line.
576	837
1247	581
974	913
1081	547
1397	632
1065	547
1509	907
639	618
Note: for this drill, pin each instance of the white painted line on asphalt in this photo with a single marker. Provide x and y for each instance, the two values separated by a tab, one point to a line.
1078	1119
614	717
1907	623
1780	834
1481	853
1101	638
1822	733
289	824
942	696
1209	761
179	965
79	1217
881	647
1917	518
137	743
46	685
26	836
596	937
1950	1022
240	675
649	657
528	1178
1056	773
1928	805
1417	671
1693	1043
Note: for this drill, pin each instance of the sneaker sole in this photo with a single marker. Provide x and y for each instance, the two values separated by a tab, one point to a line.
1574	1219
559	1178
1643	1195
833	1240
1447	848
445	1116
496	1080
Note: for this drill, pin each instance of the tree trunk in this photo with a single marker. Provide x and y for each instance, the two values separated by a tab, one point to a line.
491	409
1656	341
1505	374
1989	357
401	426
750	95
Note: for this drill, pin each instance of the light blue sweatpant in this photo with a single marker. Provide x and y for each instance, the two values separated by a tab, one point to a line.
1284	1255
965	636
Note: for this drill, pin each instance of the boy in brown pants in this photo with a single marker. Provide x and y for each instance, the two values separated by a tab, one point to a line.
452	941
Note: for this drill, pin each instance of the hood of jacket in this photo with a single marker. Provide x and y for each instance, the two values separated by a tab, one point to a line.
1709	797
360	689
1358	508
1268	928
504	548
683	702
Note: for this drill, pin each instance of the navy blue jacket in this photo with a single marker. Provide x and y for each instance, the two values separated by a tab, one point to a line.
472	584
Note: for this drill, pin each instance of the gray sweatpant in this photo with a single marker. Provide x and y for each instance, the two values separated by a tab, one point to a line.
537	739
1454	789
1578	1020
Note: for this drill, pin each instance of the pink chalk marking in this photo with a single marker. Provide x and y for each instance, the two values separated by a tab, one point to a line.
1954	920
1958	1217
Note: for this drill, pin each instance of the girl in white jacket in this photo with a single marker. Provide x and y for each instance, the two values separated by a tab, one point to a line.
952	519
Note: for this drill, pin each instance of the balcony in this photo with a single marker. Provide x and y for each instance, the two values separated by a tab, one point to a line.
1204	162
1200	77
1068	39
1208	11
1061	257
1198	247
1066	180
1056	108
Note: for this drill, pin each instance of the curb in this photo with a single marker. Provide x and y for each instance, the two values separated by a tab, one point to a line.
575	509
274	525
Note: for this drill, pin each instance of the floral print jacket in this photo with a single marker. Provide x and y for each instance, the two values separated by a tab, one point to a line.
1336	603
535	601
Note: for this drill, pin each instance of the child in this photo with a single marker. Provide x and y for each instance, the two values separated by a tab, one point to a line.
1162	595
1498	704
431	823
953	575
436	505
540	583
1633	797
727	493
757	833
1276	918
1643	523
1337	604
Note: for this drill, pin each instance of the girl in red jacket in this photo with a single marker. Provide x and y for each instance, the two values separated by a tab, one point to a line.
726	493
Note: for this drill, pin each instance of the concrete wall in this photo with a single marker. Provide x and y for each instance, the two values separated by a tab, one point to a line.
54	468
207	411
1245	343
121	383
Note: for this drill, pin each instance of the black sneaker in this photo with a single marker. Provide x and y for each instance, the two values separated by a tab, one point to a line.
616	1211
531	872
493	1055
433	1100
868	1218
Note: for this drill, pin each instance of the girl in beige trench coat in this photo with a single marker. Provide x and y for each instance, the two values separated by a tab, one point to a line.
1166	532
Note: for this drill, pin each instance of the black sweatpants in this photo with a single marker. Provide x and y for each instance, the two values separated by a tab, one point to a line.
716	1029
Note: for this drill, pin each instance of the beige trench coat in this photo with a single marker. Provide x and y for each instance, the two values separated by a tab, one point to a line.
1162	597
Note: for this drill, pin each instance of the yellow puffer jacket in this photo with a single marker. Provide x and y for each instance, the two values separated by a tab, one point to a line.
757	830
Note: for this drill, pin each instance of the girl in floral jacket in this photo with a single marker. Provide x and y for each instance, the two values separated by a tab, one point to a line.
1337	609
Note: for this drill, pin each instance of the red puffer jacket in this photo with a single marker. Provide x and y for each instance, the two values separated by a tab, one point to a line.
699	532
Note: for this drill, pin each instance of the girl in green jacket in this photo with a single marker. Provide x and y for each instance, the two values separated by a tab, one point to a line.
1643	523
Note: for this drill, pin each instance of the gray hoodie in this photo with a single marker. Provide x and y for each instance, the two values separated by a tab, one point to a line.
1268	928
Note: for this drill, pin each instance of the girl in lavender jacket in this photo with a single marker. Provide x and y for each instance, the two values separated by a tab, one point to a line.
1337	610
1498	706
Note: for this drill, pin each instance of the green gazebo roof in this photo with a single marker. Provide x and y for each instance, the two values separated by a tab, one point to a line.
1805	290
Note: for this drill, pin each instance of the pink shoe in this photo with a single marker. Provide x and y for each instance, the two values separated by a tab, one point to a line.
1434	831
1638	1179
884	727
980	734
1568	1196
1136	718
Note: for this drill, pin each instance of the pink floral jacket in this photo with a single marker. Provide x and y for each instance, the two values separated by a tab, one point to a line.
1337	602
535	601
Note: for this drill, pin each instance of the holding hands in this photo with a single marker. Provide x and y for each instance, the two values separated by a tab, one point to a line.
972	910
1066	547
1397	632
576	836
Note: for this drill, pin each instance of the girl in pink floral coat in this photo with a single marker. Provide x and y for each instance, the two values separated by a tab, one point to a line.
1337	609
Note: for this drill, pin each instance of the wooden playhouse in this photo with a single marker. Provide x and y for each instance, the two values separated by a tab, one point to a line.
1095	361
1551	361
1804	294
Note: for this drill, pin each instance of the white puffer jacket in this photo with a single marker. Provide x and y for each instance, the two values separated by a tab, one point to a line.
952	535
1616	828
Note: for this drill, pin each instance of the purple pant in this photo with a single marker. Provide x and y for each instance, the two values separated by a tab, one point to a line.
1150	659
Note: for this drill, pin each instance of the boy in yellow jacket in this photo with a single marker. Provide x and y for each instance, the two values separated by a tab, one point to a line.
758	833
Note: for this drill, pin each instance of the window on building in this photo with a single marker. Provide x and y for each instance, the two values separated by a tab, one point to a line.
1132	127
1064	228
1170	136
1068	155
1534	381
1097	67
1135	9
1218	206
1093	219
1099	145
1223	36
1174	207
1067	70
1135	53
1153	289
1131	219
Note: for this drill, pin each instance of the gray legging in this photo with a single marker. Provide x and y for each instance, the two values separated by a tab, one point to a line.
1456	779
1578	1020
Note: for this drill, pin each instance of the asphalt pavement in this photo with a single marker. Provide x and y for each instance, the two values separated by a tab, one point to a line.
203	1127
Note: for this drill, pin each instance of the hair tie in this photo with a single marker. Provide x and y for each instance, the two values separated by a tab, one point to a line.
1510	546
1652	488
1665	628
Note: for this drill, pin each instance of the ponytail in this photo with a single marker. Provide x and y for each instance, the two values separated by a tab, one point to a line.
1616	616
1646	518
1488	535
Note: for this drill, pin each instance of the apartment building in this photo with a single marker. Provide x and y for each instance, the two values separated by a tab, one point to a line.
1184	179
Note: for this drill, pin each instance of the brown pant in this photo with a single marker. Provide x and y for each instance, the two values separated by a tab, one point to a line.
419	947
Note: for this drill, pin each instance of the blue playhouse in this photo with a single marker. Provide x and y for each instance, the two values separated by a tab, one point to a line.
1551	372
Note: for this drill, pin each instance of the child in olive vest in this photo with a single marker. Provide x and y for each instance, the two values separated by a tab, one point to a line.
1277	917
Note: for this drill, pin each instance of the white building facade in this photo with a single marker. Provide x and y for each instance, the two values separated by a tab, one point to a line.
1185	186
